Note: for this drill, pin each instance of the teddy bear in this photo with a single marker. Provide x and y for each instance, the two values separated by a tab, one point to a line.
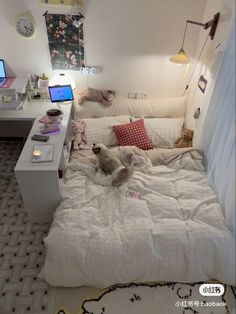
78	134
185	140
104	97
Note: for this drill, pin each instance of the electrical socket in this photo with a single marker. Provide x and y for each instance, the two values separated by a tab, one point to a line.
137	95
131	95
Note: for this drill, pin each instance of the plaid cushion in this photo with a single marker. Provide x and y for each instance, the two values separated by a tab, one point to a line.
133	134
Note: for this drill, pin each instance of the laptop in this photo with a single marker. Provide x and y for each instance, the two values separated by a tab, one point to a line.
3	76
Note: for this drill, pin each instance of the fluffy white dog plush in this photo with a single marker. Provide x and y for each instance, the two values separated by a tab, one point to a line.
109	162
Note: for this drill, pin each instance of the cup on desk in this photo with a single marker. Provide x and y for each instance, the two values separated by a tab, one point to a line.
54	115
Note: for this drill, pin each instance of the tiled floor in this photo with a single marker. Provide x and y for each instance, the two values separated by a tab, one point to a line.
22	250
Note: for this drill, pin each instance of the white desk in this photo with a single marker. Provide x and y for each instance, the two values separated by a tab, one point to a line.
29	111
18	123
39	182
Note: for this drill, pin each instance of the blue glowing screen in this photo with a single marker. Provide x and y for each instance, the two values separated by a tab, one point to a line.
2	69
61	93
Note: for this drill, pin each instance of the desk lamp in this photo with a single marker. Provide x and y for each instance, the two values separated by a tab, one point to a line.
62	79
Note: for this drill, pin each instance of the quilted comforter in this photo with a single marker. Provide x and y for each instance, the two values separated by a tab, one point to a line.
164	224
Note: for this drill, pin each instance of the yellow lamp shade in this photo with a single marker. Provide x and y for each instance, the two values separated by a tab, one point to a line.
180	57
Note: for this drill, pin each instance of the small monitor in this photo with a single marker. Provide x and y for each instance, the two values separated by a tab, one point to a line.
2	69
60	93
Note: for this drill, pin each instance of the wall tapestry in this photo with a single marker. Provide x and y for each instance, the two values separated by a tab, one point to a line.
66	41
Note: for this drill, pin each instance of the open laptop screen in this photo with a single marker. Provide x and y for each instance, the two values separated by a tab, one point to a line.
60	93
2	69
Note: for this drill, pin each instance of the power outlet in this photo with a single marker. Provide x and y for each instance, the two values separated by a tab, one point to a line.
137	95
132	95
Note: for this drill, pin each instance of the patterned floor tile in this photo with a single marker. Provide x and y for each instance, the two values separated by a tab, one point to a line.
22	251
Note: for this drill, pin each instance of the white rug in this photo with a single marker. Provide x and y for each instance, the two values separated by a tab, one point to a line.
174	298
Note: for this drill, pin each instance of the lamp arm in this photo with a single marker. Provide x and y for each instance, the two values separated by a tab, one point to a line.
212	23
185	31
196	23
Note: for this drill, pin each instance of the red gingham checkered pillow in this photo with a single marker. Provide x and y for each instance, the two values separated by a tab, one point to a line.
133	134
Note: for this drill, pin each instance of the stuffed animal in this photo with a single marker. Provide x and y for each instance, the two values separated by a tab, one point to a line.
78	134
109	162
185	140
104	97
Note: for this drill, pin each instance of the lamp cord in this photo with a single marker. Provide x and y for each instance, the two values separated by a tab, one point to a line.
184	35
200	54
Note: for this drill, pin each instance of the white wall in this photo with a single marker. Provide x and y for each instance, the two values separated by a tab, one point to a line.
130	39
133	40
209	62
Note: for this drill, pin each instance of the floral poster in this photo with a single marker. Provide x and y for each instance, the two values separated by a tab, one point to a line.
66	41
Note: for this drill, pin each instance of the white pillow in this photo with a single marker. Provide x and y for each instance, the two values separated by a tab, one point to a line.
99	130
163	131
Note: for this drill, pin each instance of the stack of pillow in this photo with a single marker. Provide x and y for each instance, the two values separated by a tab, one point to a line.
144	133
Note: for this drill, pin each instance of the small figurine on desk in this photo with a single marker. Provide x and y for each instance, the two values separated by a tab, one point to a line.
37	88
43	81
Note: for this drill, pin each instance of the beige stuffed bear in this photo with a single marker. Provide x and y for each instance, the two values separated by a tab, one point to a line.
104	97
185	140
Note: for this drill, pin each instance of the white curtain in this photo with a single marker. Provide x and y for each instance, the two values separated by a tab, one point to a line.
218	139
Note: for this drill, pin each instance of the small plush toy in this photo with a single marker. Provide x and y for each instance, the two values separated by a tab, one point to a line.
109	162
185	140
78	134
104	97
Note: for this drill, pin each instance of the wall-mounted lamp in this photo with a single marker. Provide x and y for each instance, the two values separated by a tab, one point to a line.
181	57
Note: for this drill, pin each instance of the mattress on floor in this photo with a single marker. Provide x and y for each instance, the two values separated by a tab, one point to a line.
164	224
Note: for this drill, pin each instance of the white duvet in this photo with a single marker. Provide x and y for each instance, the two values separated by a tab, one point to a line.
163	225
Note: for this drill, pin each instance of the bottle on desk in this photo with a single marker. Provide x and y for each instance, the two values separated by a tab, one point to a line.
43	81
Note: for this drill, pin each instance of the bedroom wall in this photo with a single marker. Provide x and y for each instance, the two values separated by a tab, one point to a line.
131	40
209	63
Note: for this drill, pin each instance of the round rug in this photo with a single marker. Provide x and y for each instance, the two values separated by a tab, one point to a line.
169	298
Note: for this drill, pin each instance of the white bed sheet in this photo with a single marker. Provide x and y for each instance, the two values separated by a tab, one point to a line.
176	231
